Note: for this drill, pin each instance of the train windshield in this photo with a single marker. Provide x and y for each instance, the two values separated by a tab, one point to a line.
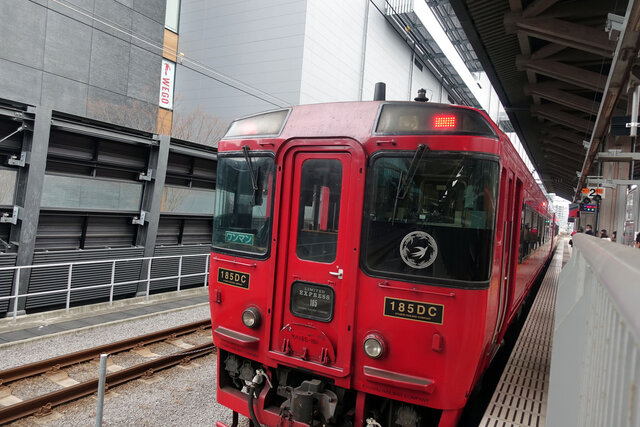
431	216
244	199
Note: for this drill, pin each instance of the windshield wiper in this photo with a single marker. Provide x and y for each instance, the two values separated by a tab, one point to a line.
252	174
403	188
403	184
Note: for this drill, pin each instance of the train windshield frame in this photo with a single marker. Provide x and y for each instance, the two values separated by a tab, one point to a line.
243	213
431	218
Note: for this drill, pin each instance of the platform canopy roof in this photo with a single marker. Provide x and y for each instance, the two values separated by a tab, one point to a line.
562	70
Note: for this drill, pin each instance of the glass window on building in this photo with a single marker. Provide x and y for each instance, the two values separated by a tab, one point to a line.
172	18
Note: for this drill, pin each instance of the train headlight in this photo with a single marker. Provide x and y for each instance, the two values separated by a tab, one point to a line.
251	318
374	346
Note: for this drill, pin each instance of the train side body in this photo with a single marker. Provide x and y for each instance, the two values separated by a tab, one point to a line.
379	240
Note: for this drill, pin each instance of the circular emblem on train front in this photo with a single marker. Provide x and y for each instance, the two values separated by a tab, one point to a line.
418	249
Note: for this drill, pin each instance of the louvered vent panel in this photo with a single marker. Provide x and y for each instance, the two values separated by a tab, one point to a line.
197	231
129	156
168	231
55	278
59	232
204	172
6	279
170	267
71	146
111	231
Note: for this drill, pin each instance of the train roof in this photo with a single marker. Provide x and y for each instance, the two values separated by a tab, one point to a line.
340	119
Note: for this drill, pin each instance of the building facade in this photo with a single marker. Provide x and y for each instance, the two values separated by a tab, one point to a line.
88	170
241	57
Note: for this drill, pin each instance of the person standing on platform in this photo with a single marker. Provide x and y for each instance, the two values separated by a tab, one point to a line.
614	236
604	235
589	230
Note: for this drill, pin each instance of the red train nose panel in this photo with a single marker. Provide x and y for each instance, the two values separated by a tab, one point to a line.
307	343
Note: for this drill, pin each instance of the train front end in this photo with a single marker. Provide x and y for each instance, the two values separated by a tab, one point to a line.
352	263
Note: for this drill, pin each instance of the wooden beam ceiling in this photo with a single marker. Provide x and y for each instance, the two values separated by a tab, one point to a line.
562	61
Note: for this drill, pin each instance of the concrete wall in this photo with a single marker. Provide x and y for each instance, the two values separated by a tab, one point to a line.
388	59
60	57
257	44
294	52
333	51
423	79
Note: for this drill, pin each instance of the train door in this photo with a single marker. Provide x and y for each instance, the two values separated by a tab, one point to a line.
318	262
515	211
506	256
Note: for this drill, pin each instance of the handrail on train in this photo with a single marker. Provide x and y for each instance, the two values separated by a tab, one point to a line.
111	284
595	362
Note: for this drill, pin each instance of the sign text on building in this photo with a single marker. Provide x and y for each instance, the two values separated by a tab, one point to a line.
167	77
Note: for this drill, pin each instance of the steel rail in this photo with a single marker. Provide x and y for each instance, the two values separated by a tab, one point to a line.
43	404
26	371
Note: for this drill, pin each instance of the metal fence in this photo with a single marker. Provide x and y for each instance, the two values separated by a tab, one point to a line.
595	363
154	273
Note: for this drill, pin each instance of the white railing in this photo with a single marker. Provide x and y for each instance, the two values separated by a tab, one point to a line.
399	6
595	362
112	284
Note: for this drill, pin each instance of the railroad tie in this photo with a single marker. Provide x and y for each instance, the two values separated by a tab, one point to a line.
179	343
145	352
111	365
61	378
6	398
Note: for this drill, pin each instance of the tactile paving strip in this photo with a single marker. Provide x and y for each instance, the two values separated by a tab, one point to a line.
520	398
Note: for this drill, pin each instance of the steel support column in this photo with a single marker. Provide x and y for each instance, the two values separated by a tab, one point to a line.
151	203
28	193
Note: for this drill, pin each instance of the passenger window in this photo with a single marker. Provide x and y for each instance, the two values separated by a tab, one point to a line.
319	211
531	232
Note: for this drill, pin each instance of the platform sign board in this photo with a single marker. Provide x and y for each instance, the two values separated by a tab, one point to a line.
593	191
167	79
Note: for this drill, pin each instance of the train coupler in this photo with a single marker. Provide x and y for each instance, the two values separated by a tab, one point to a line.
308	399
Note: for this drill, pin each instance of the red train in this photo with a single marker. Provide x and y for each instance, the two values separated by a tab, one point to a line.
367	260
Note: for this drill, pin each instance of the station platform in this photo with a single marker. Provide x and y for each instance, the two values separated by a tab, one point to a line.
520	398
38	325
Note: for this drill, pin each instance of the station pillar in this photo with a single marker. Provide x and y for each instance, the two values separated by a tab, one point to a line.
613	205
616	170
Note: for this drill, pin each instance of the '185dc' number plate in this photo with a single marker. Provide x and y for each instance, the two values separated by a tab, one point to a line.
233	278
414	310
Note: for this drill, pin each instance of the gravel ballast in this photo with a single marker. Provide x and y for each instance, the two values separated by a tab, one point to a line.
50	346
175	396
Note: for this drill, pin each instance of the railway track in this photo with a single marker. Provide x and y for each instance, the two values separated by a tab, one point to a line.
41	405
